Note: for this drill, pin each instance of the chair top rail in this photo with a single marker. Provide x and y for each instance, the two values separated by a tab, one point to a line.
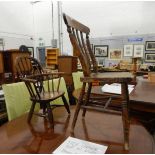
75	24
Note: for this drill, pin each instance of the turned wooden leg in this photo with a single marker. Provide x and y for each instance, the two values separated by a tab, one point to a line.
87	98
31	112
50	115
44	107
125	114
78	106
66	104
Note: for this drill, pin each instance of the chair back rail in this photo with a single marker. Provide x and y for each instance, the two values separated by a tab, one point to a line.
26	65
81	46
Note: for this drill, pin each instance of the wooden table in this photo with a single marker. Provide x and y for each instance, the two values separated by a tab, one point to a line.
142	102
19	137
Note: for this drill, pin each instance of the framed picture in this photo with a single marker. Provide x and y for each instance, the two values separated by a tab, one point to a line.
150	45
115	54
101	50
138	51
149	57
31	50
128	50
100	61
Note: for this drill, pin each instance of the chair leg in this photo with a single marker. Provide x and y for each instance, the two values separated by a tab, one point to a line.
44	107
31	112
66	104
50	115
87	98
125	115
78	106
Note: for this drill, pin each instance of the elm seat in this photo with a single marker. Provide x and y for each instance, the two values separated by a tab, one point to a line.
79	37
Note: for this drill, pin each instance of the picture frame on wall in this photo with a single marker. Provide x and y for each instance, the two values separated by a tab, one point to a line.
150	57
128	50
115	54
31	50
101	50
138	51
100	61
150	46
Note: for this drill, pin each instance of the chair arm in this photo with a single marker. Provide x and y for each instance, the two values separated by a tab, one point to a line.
29	80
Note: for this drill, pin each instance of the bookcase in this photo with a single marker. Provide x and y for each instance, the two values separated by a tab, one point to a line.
52	56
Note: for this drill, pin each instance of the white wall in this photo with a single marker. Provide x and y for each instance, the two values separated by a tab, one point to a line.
16	23
43	21
112	18
20	20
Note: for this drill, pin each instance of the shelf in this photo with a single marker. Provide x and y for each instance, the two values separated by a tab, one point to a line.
52	56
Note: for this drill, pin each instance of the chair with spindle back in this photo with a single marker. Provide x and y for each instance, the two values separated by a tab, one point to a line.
43	91
79	37
43	86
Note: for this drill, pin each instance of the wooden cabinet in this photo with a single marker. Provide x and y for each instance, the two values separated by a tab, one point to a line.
9	58
52	56
1	63
1	68
68	64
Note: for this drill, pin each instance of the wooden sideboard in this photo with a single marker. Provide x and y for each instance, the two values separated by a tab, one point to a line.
7	65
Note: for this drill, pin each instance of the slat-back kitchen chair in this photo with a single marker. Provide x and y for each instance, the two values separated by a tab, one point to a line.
26	65
79	37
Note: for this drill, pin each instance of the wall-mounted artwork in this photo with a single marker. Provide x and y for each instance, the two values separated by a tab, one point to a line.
100	61
150	45
115	54
101	50
138	51
150	57
31	50
128	50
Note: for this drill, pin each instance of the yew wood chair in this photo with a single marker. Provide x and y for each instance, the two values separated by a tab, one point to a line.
43	91
41	86
26	65
79	37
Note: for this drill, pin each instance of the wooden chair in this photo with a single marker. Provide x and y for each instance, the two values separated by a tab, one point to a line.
42	90
26	65
79	37
41	86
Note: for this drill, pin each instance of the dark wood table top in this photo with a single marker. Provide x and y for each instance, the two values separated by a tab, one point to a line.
17	136
141	98
144	92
